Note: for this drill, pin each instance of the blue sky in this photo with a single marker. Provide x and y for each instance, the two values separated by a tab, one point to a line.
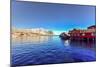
55	17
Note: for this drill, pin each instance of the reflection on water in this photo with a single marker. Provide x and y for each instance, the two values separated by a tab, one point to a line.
81	44
29	40
84	44
50	49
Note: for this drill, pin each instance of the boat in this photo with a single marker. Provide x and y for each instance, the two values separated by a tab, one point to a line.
64	36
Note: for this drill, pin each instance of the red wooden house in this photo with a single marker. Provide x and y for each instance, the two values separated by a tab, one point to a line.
87	34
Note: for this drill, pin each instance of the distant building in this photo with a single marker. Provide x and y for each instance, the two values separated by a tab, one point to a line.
89	33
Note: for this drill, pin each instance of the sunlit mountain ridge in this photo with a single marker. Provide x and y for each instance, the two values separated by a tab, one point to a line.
16	32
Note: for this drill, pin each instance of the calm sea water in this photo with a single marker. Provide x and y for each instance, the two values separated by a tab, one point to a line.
50	50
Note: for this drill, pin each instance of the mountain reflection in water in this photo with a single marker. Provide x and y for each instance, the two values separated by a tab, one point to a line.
50	50
34	40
